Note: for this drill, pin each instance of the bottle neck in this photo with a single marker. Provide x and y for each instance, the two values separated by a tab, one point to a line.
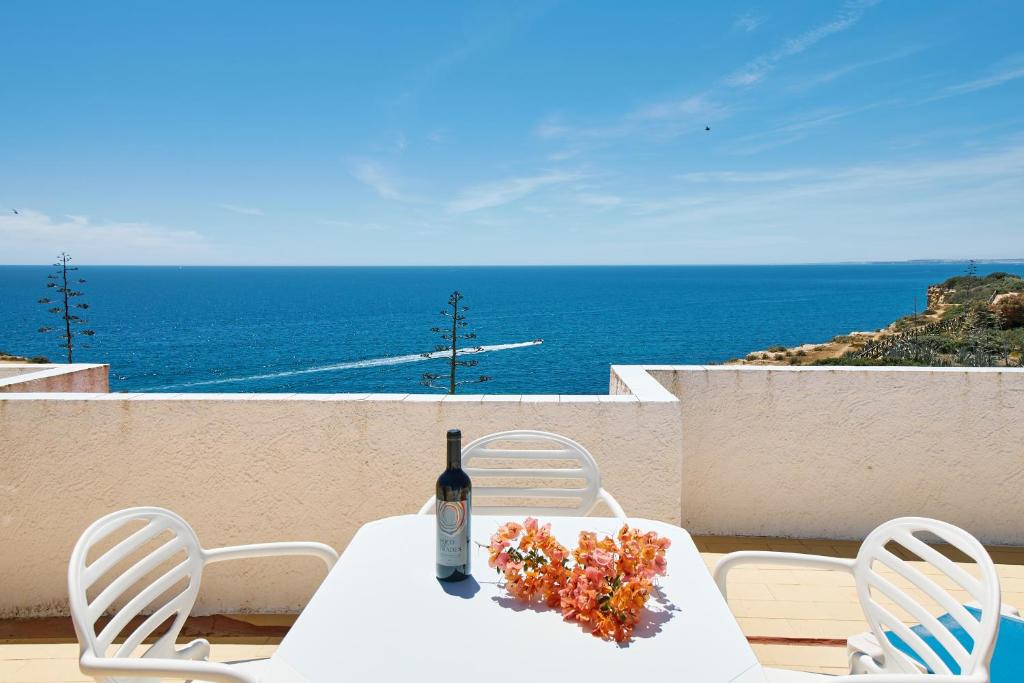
454	455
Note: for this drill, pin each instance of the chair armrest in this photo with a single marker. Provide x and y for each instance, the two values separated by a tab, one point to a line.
731	560
612	504
158	669
239	552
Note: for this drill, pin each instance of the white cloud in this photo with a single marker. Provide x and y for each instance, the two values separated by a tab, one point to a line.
839	72
34	237
669	118
352	225
244	210
747	22
691	108
553	128
675	117
930	208
484	30
604	201
744	176
378	179
564	154
1005	164
920	200
672	118
755	70
797	128
1008	70
496	193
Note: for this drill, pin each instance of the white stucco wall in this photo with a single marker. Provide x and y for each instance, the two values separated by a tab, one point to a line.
246	468
8	370
830	452
62	377
800	452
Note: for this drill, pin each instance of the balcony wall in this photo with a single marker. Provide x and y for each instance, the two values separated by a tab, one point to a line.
246	468
803	452
831	452
36	377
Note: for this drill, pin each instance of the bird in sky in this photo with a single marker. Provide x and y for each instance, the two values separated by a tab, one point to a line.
15	212
707	128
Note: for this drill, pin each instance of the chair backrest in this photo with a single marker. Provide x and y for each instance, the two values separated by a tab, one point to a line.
529	472
896	595
161	584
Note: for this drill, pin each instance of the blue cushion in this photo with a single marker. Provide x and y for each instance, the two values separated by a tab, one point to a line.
1007	661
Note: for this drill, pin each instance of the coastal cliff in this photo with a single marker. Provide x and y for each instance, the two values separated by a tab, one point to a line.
970	321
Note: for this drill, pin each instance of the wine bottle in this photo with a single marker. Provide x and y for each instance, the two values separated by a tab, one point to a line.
454	507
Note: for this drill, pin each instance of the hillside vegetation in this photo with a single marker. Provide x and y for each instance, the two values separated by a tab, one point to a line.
970	321
11	358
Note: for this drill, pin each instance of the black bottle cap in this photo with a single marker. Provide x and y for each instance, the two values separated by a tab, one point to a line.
454	434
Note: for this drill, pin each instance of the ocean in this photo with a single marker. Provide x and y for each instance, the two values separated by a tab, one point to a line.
363	329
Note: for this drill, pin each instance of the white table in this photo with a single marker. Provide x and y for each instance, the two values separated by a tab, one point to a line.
380	615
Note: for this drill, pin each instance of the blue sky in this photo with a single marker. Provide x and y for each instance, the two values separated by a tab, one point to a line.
507	133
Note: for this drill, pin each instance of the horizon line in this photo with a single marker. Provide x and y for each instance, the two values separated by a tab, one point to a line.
920	261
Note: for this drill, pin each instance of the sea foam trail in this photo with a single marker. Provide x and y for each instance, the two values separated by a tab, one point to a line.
368	363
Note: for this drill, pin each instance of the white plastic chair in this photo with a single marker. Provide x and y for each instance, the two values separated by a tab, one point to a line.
893	666
478	460
867	656
162	659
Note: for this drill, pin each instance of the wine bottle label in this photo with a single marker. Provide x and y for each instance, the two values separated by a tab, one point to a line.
452	533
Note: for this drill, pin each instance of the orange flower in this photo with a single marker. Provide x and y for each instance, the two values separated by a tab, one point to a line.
602	583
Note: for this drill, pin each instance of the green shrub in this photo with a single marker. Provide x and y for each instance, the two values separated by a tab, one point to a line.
1015	338
952	311
850	360
970	288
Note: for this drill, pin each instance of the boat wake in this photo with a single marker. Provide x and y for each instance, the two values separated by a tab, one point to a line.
351	365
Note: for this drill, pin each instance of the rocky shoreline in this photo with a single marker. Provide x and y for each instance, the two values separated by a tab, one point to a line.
10	358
